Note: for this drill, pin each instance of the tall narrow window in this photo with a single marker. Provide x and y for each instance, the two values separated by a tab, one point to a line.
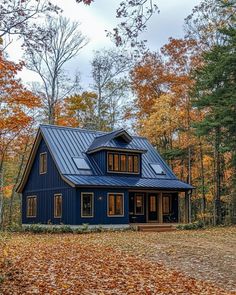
136	168
123	163
31	206
139	204
43	163
110	162
153	207
86	204
57	206
115	204
130	163
116	162
166	203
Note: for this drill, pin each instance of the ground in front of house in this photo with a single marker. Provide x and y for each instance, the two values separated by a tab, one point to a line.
181	262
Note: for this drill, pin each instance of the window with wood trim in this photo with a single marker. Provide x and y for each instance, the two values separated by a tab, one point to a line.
57	206
167	203
31	210
43	163
139	204
87	204
120	162
115	204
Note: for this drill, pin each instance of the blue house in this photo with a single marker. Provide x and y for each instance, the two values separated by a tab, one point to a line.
76	176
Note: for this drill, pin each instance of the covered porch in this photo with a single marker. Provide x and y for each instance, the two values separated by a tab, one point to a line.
159	207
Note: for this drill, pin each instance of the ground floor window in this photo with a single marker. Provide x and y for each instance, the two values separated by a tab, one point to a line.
57	206
115	204
31	206
167	203
86	204
139	204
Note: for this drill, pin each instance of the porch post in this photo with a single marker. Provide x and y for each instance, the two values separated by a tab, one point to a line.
188	206
160	210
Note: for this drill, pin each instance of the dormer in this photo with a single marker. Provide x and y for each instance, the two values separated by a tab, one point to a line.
116	153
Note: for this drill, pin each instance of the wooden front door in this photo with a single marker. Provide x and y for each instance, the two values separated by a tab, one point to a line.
152	207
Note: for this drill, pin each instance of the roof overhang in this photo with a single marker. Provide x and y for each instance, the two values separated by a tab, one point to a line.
139	151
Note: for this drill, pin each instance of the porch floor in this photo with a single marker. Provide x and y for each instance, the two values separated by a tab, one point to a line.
154	227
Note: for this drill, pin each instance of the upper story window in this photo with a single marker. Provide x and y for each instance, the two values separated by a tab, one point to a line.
43	163
125	163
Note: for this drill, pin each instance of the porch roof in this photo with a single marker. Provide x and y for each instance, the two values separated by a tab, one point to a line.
128	182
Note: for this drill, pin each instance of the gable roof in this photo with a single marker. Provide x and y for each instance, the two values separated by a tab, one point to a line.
65	144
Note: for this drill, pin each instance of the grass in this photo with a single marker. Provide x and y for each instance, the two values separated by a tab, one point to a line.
181	262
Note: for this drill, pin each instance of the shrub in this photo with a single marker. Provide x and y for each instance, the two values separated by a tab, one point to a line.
191	226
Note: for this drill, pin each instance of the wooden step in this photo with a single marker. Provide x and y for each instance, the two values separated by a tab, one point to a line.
156	227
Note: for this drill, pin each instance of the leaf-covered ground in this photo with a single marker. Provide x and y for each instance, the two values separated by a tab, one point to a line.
195	262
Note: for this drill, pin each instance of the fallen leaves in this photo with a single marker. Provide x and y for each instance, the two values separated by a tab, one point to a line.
103	263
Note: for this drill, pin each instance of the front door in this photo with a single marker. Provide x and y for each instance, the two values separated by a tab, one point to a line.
152	207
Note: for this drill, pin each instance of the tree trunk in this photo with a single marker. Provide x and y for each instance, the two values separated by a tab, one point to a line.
202	180
217	177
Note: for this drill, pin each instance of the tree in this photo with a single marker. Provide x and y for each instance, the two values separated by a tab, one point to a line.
16	16
215	93
62	44
133	16
16	105
78	110
109	83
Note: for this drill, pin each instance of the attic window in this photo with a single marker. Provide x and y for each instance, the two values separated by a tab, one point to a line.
157	169
81	163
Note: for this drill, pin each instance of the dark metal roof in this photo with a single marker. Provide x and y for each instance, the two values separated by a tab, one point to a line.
66	143
128	182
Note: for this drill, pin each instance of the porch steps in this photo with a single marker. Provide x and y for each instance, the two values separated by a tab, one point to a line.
156	227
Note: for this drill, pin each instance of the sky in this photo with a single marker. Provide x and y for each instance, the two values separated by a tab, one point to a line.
100	16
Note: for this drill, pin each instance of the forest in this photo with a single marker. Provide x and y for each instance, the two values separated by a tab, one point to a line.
182	96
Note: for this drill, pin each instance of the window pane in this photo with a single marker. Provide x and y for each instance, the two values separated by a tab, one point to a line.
123	163
119	204
57	206
166	203
152	203
139	204
31	207
136	164
130	163
111	205
116	162
87	205
110	162
43	163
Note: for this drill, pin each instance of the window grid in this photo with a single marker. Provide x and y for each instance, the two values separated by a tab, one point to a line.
115	205
31	206
124	163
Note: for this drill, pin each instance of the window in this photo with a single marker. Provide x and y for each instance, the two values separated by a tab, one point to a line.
123	163
31	206
43	163
115	204
81	163
157	168
57	206
86	204
139	204
166	204
153	204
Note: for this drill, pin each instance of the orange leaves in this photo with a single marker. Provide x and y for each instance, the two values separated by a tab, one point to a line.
105	263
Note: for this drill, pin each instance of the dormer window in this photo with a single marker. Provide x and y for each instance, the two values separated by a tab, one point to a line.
123	162
42	163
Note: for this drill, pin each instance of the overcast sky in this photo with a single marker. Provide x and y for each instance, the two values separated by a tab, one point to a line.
98	17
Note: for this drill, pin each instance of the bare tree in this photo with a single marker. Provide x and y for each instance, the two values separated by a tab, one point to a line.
62	42
109	83
16	17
